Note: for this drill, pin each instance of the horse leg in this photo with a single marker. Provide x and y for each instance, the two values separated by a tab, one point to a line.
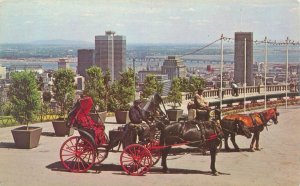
226	135
253	141
213	154
232	138
164	155
257	142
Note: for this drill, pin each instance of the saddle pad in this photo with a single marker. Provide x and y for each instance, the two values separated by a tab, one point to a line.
246	119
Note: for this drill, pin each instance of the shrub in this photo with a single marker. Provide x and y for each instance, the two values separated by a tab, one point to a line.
63	89
24	97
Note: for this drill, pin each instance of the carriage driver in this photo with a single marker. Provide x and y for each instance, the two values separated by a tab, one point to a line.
200	103
137	118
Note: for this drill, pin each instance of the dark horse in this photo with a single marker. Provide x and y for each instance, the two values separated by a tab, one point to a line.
255	122
232	128
206	134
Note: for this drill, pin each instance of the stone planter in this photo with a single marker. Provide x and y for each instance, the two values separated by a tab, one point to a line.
26	139
98	117
122	117
61	128
174	114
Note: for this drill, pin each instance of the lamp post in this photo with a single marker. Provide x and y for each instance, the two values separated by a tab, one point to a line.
266	60
221	70
287	70
245	73
133	65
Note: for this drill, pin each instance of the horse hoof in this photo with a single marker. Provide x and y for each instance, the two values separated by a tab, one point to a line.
258	149
237	150
252	150
215	173
227	149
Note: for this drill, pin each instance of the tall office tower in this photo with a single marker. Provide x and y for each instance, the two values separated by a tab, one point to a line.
239	57
85	60
110	53
173	66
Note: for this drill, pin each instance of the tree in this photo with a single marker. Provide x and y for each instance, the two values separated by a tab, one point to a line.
184	84
196	83
24	97
107	79
174	95
63	89
122	92
151	86
95	87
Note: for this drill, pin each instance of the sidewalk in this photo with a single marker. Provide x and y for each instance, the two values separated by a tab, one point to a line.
41	165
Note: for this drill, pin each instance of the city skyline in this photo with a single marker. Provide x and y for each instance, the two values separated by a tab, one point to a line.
144	21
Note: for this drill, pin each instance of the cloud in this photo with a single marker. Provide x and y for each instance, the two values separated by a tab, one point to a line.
28	22
190	10
88	14
119	24
174	17
295	10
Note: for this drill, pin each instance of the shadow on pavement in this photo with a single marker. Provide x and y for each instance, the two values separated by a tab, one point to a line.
118	170
52	134
233	150
7	145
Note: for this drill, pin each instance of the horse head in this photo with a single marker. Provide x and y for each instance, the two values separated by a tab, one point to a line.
161	122
272	114
242	129
218	128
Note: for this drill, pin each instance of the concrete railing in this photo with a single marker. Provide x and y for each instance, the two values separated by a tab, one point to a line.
227	92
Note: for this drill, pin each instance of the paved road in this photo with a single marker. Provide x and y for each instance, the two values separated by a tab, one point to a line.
278	163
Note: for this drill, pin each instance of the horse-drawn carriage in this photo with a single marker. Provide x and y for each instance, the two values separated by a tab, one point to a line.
92	146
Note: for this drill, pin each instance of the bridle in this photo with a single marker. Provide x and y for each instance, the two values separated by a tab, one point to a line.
272	117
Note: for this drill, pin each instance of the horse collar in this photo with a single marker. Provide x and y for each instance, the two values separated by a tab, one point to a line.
262	118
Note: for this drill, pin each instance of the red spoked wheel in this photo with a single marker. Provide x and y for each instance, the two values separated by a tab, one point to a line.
152	146
77	154
102	151
136	160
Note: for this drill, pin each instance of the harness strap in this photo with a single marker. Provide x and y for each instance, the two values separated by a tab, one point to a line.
252	116
262	118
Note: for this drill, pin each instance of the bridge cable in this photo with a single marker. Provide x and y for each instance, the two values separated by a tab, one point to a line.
197	50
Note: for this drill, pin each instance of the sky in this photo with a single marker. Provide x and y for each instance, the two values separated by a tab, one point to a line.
148	21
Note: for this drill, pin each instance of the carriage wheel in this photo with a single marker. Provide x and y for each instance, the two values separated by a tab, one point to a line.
136	160
155	152
102	152
77	154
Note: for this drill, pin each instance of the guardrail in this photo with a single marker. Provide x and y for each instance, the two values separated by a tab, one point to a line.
214	93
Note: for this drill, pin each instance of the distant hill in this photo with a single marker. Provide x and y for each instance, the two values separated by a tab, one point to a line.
62	42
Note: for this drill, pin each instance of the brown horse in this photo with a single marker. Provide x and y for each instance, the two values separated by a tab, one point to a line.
256	122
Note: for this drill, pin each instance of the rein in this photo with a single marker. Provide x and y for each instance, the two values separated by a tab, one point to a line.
212	137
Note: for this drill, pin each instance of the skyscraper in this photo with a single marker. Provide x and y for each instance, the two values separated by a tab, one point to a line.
85	60
239	57
110	53
173	66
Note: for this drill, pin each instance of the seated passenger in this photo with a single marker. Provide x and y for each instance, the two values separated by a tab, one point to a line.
201	105
137	118
80	116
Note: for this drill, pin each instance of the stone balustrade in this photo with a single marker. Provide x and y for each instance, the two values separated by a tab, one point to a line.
227	92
